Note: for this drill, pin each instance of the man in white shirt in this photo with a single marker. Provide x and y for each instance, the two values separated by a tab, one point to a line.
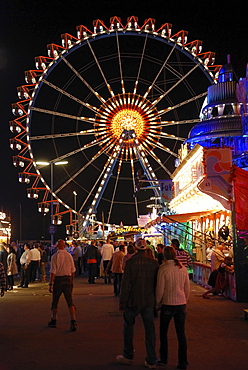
61	281
35	262
107	253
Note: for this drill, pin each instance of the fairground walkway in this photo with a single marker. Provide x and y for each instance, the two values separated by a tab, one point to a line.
217	333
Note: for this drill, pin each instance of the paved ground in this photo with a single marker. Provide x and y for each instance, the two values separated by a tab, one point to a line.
217	334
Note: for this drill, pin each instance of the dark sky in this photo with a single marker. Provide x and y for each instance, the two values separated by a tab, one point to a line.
26	27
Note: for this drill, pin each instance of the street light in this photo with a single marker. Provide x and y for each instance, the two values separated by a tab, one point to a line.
51	164
75	203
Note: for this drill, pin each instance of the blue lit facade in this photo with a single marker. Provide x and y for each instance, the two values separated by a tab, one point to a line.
224	118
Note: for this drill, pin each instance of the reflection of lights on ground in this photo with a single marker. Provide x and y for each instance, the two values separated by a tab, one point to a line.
127	119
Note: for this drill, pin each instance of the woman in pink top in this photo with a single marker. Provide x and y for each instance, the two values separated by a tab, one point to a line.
172	293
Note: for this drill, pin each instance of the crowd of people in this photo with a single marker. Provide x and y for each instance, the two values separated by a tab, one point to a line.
25	262
146	279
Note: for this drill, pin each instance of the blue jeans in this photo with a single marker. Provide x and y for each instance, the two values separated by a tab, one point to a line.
179	315
147	314
117	283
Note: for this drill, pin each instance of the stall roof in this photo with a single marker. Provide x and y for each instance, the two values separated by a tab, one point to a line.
183	217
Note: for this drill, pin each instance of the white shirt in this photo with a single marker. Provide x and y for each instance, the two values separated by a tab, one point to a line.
35	254
107	252
62	263
173	286
25	257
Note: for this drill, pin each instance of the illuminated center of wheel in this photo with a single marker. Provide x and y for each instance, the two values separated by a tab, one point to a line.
128	119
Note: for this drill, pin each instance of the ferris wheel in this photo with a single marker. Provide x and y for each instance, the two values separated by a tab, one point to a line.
106	104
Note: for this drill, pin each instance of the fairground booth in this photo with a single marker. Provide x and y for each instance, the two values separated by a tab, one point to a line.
210	183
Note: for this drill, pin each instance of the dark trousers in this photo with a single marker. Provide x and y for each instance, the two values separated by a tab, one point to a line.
33	267
129	316
10	281
107	276
92	268
24	276
117	283
179	315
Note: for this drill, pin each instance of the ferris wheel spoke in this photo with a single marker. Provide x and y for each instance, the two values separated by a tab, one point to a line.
140	65
100	98
62	91
156	158
169	109
155	102
157	144
104	178
172	123
60	114
100	69
99	153
165	135
120	64
115	187
86	146
68	134
161	69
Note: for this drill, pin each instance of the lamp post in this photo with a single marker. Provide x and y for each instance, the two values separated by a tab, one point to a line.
51	164
75	203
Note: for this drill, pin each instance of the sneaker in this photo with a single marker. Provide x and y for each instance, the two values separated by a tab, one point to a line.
73	326
150	366
123	360
52	323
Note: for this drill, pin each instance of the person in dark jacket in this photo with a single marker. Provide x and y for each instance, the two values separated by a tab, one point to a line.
137	296
92	256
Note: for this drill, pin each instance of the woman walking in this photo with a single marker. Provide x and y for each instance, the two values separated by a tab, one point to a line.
172	293
11	267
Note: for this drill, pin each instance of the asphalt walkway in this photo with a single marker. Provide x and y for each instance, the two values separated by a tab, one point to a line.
216	331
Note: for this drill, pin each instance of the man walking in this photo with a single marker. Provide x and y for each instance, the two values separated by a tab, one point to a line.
93	256
61	281
34	263
138	297
181	254
117	270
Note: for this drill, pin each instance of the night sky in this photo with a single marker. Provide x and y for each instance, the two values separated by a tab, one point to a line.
26	27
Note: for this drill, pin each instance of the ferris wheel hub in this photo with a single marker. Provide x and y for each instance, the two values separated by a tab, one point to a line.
128	112
128	119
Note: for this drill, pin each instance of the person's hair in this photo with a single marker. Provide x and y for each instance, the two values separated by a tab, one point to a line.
130	249
149	252
11	249
170	254
175	242
121	247
141	244
27	245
